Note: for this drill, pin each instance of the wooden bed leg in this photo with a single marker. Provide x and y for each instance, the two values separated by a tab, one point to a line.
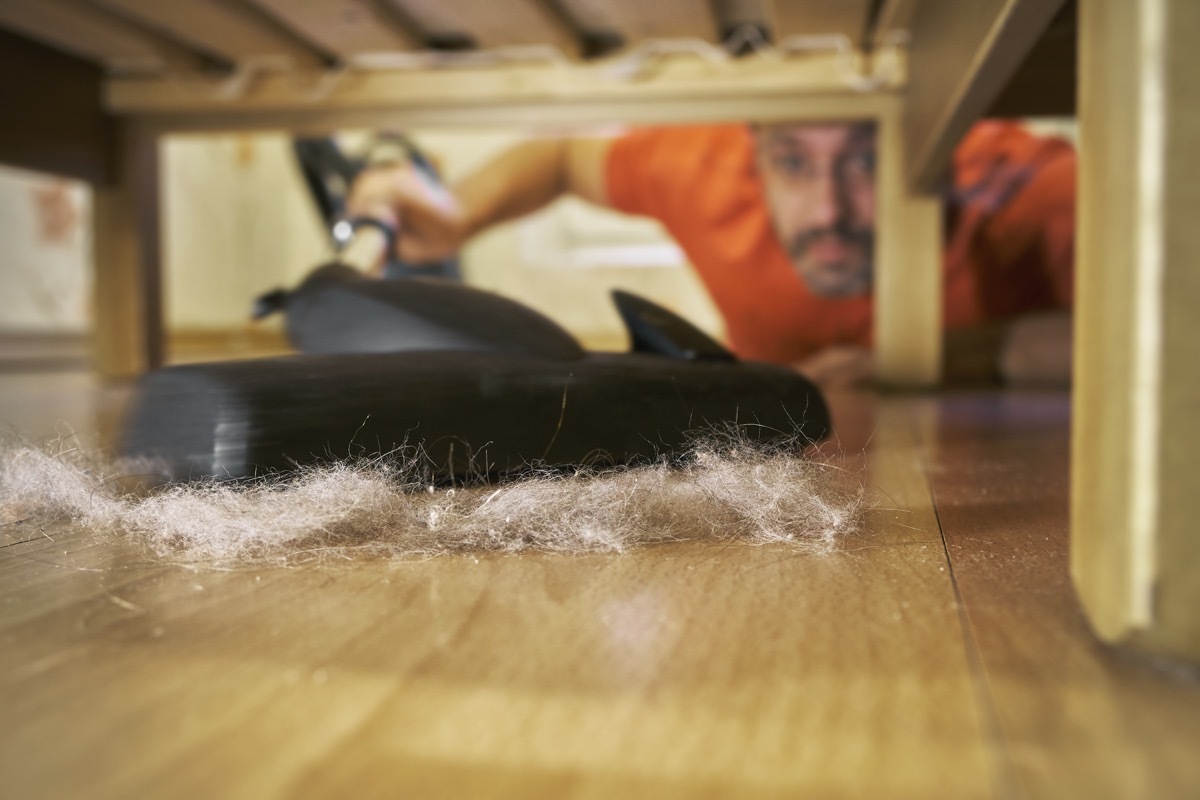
127	302
1136	416
908	279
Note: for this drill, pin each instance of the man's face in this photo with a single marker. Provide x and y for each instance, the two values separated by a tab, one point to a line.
820	185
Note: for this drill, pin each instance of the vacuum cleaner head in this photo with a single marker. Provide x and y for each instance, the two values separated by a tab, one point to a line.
481	385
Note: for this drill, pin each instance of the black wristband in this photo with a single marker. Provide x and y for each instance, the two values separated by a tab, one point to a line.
388	230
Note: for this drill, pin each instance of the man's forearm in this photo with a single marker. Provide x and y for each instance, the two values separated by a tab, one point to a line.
522	180
529	177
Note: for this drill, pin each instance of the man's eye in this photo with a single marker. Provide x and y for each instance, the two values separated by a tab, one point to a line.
791	164
860	164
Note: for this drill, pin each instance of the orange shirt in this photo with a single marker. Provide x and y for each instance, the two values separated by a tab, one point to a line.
1009	250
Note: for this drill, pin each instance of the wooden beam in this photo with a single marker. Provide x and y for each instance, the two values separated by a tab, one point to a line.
86	32
960	57
1135	555
818	17
894	16
55	122
691	87
908	269
636	19
223	28
344	27
496	23
587	116
127	291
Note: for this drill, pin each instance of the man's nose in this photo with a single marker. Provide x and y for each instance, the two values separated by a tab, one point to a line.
827	200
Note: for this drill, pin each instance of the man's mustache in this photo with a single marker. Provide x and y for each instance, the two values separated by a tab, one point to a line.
861	237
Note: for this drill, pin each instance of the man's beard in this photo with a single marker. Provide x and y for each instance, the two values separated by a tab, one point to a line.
859	243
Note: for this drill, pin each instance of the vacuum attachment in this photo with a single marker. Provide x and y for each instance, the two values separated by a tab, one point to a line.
337	309
483	389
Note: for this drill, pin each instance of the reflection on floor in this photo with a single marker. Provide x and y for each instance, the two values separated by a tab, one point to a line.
941	654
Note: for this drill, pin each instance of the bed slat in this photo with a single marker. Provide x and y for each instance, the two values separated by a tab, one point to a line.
343	27
89	33
496	23
636	19
223	28
818	17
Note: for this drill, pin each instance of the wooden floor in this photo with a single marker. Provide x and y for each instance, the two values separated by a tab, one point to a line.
942	654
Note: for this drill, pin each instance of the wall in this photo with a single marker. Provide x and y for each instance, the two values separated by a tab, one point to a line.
237	221
45	264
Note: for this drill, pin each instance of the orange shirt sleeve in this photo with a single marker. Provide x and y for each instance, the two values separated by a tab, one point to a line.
1045	209
642	173
1016	231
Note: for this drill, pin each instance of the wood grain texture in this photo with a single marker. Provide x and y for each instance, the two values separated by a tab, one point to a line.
683	671
49	405
1178	548
636	20
818	17
580	114
908	281
895	17
1074	718
344	27
1136	558
87	32
746	89
220	27
497	23
127	328
680	671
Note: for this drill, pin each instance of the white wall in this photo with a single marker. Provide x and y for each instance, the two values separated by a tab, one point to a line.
45	254
237	221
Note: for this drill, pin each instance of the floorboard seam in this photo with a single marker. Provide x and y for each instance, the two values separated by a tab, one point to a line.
31	539
20	541
1004	780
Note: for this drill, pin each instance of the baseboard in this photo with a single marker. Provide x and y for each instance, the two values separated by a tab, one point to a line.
22	351
214	344
202	344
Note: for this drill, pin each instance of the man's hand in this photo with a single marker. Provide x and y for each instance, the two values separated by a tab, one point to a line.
428	220
433	223
839	366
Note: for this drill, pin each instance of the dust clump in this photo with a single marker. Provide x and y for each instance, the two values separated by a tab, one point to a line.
725	489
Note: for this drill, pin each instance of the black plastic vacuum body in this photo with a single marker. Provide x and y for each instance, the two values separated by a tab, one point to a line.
477	384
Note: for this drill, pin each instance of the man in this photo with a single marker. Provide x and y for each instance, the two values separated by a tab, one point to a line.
778	220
